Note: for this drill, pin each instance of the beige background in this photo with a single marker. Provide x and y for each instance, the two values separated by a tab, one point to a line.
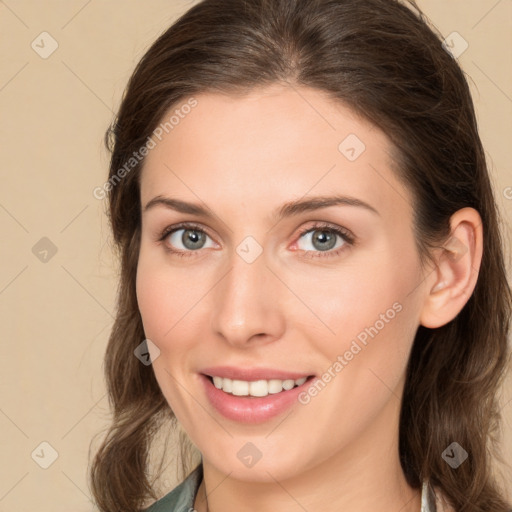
56	314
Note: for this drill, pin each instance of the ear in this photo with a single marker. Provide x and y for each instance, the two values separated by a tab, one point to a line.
454	277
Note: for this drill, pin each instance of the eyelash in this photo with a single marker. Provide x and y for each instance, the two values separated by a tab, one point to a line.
345	235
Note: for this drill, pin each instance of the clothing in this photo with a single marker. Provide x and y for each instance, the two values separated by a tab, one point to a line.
181	498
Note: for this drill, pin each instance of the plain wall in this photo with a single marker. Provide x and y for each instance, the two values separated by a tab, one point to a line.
57	307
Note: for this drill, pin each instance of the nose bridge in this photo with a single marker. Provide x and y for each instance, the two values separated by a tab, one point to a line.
246	299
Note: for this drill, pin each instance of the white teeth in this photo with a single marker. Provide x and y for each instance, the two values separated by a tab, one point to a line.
240	387
288	384
257	388
227	385
275	386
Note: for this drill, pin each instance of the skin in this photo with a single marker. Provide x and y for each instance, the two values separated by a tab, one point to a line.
243	157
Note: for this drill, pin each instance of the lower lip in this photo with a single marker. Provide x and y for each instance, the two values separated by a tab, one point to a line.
250	409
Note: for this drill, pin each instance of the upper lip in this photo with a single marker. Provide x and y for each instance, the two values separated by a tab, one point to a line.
252	374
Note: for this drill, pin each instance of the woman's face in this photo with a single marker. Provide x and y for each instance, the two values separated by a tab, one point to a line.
262	291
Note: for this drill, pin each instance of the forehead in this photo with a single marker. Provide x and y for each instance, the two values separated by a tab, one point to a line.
277	143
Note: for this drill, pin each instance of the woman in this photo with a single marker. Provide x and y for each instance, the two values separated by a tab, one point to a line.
312	263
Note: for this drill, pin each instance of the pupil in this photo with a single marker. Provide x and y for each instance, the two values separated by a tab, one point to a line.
325	236
194	237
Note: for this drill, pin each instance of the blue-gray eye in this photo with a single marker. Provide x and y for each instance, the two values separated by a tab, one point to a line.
190	238
323	239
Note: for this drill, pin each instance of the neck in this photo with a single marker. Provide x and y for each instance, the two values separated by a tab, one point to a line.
364	476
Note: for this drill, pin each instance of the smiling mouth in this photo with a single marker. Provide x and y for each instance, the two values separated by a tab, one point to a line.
256	388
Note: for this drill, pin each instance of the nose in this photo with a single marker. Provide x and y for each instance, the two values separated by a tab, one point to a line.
247	308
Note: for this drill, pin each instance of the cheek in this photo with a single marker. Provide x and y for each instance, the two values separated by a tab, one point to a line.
162	305
156	286
159	303
152	300
170	303
348	302
374	323
366	314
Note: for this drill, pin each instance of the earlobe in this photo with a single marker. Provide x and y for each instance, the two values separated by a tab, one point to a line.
455	275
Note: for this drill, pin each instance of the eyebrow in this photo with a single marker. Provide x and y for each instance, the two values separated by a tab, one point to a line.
286	210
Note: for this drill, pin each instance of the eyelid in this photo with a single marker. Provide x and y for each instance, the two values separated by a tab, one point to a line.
320	224
161	236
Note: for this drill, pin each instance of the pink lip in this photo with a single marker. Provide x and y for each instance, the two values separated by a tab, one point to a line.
250	374
250	409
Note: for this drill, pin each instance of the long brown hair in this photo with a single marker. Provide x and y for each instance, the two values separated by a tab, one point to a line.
382	59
